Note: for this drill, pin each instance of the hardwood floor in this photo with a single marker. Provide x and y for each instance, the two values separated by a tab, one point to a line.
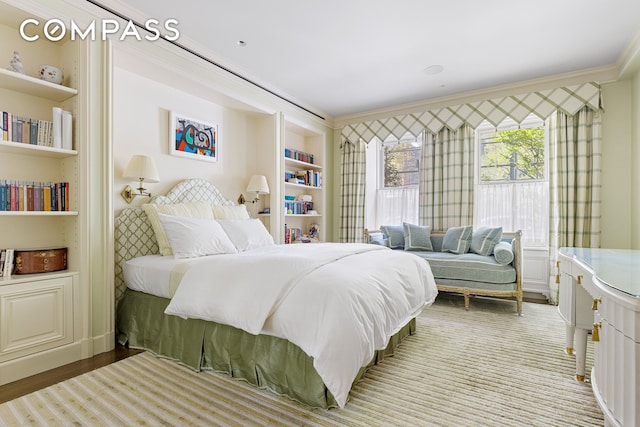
36	382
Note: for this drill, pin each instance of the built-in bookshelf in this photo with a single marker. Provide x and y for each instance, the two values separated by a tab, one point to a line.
55	304
304	190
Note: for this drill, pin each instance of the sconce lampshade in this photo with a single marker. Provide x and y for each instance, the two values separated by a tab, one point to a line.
141	167
258	184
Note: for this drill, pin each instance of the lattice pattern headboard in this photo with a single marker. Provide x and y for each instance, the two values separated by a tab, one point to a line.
134	235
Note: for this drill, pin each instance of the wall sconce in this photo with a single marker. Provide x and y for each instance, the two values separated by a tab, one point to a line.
258	184
142	168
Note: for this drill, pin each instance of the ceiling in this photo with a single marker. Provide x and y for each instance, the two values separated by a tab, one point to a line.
337	58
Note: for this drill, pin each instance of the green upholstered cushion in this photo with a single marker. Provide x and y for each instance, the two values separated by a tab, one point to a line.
503	253
469	266
457	240
484	239
395	235
417	237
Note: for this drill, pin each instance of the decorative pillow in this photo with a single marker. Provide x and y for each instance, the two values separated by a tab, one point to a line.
231	212
484	239
503	253
246	233
417	237
395	234
195	237
187	209
457	240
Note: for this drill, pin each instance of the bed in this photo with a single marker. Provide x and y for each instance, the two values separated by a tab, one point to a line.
304	321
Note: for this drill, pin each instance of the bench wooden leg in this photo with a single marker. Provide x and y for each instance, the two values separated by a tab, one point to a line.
466	300
519	302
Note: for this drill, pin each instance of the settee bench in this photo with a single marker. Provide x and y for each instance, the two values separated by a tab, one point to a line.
470	273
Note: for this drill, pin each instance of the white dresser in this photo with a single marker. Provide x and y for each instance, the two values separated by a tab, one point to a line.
600	291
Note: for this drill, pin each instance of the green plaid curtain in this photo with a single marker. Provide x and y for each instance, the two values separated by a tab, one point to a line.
446	178
574	179
352	191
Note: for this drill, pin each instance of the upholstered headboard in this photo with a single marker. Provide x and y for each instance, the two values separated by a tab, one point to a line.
134	235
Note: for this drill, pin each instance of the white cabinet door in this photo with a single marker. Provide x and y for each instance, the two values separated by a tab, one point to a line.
35	316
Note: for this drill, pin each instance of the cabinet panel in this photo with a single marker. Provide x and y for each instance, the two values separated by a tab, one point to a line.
35	316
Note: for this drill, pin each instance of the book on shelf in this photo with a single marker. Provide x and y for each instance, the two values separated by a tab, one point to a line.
16	195
3	255
309	178
297	207
26	130
299	155
6	260
292	234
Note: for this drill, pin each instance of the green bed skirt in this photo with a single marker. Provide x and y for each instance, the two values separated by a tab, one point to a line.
268	362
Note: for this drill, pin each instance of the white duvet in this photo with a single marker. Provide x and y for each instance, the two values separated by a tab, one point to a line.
337	302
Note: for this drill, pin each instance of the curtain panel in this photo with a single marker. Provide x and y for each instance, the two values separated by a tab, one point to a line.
352	191
574	177
447	178
515	206
397	205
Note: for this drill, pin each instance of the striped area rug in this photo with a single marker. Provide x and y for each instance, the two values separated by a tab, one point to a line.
483	367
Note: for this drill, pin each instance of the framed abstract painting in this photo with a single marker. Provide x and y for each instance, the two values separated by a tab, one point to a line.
193	138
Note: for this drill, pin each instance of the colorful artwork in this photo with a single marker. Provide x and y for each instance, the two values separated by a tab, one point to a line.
193	138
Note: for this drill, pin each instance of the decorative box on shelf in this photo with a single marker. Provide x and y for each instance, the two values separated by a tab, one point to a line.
40	260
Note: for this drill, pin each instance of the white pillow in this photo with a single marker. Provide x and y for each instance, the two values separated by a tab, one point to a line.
195	237
231	212
187	209
247	233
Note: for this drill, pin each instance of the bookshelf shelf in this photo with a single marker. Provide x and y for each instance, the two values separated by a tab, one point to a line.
27	278
303	215
302	164
38	213
32	86
30	149
310	187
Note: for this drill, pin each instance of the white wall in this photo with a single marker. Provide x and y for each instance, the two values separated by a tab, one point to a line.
617	166
141	126
635	160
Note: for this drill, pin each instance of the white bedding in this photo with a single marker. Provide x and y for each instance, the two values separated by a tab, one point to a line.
337	302
151	274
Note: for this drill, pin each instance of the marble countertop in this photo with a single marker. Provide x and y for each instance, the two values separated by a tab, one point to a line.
618	268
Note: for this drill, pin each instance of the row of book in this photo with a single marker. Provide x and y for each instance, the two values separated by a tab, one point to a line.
310	177
18	195
6	262
292	234
56	133
299	155
297	208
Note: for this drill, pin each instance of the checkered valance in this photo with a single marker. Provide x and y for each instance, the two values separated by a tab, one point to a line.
568	99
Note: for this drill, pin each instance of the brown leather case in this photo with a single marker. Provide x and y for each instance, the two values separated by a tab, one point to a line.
40	260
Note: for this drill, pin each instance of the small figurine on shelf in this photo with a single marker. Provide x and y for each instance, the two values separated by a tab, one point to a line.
16	64
314	231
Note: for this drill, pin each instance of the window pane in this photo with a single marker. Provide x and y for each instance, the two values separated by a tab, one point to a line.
400	163
512	155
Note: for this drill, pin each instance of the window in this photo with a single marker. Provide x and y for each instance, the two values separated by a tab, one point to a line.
400	160
513	154
512	190
392	181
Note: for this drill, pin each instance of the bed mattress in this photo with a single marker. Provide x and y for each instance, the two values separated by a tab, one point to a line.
151	274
